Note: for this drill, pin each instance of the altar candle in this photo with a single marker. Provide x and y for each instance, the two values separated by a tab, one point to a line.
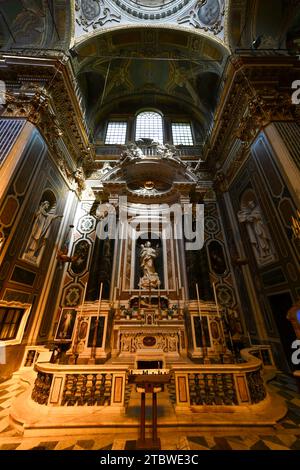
198	299
139	297
100	298
83	298
216	299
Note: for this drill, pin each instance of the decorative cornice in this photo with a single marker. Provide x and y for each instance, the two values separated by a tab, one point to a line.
42	91
171	8
256	92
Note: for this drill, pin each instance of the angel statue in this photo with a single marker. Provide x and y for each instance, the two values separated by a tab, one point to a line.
150	277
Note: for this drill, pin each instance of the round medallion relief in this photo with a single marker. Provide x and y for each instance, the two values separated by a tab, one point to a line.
209	11
149	341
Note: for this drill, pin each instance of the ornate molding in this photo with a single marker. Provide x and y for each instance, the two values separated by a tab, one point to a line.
265	107
256	93
94	13
45	96
207	15
132	342
150	12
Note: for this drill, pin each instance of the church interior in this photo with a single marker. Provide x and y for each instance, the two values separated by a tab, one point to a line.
149	224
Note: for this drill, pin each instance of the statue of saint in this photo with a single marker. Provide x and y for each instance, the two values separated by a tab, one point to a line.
148	255
150	277
257	230
40	229
79	178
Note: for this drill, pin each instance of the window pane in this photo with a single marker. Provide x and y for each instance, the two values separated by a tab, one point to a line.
149	125
10	320
182	133
116	132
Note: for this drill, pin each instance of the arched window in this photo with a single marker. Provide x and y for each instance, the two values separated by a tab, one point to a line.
149	125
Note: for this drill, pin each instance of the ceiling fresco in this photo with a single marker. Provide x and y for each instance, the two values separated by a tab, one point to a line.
35	24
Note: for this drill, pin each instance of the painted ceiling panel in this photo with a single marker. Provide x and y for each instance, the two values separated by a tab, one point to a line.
206	15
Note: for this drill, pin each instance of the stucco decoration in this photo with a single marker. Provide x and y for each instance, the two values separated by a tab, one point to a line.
207	15
152	9
94	13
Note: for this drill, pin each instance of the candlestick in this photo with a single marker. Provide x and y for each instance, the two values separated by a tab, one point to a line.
83	298
249	337
216	298
74	348
139	297
177	287
158	298
100	298
183	294
202	327
94	346
198	299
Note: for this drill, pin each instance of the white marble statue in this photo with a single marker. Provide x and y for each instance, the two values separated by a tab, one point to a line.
150	277
257	230
131	152
42	222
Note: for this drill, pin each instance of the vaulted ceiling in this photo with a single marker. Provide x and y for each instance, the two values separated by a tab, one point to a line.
150	67
121	68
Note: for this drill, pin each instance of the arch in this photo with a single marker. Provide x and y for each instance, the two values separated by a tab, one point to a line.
84	40
115	66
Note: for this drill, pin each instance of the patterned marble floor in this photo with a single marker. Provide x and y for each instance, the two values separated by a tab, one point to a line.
286	436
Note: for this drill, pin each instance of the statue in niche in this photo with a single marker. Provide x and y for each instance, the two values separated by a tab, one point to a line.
150	279
42	222
258	231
